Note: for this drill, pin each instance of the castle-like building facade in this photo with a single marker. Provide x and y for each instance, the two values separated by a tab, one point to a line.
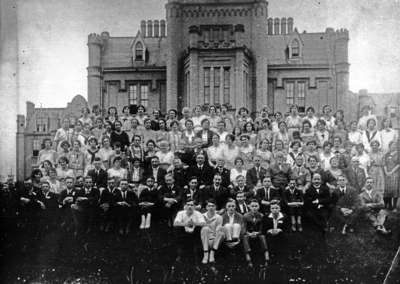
219	52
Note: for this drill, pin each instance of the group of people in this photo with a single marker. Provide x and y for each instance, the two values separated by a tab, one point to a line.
214	177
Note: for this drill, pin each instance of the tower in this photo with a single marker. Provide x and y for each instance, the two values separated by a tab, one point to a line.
342	65
94	44
20	175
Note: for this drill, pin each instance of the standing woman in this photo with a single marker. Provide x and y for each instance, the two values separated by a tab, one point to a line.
392	172
328	117
86	118
293	121
215	151
375	169
311	116
175	136
370	134
307	132
188	134
322	133
249	130
162	133
112	116
47	153
283	135
387	133
106	152
197	118
243	117
76	158
264	152
172	116
126	119
227	117
63	134
275	123
135	129
141	114
231	151
91	152
265	132
354	135
213	118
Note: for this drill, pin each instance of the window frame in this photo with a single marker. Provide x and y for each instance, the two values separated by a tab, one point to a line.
139	51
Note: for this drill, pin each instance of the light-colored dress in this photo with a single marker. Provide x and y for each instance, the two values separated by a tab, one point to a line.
376	170
392	185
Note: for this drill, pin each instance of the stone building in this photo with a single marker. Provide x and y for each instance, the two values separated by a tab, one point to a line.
219	52
40	123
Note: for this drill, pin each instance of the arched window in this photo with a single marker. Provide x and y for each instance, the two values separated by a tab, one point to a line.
295	48
139	52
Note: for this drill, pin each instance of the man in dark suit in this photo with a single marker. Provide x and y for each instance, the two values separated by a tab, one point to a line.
242	187
256	174
241	205
223	172
355	175
66	198
156	171
280	172
106	205
98	175
266	193
205	134
51	210
85	208
125	207
347	203
188	156
317	201
219	193
201	170
171	197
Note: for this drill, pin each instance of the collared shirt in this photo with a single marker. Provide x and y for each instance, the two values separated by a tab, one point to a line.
155	171
275	220
123	193
231	219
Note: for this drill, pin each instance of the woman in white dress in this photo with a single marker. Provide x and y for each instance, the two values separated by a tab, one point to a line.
370	134
47	153
388	134
106	152
238	170
215	151
230	152
117	172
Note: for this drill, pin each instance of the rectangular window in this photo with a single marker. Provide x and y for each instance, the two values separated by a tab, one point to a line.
301	96
227	85
289	93
36	146
41	124
207	85
144	95
133	94
217	83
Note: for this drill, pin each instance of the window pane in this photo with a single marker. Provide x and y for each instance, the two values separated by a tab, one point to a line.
139	51
227	85
144	90
133	94
217	79
290	93
207	85
295	48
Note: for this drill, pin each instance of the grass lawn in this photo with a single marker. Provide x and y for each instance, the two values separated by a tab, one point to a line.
149	257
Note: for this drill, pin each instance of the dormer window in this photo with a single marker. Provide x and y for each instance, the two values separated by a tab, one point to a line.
295	48
139	52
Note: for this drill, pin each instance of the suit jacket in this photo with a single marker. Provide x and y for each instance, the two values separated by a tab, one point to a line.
296	196
252	222
92	198
356	177
376	198
243	210
323	196
248	192
131	197
147	195
253	177
50	200
199	196
225	175
64	194
280	176
160	175
268	222
237	219
180	176
350	199
209	137
106	196
221	195
189	155
262	194
174	192
204	176
100	179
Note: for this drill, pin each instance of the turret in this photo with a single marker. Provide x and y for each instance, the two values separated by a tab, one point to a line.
276	26
150	28
95	43
283	26
270	26
290	25
162	28
20	147
143	28
193	36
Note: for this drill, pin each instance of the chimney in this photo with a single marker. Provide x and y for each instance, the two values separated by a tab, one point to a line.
290	25
156	28
276	26
150	28
270	26
162	28
143	28
283	26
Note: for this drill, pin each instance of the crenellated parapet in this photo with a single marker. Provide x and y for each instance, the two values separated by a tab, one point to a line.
276	26
153	28
95	39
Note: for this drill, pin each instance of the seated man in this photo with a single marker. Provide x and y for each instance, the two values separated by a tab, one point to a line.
256	174
106	205
51	210
66	199
187	224
232	224
252	228
293	201
209	231
241	205
171	196
274	226
372	205
266	193
148	202
125	205
347	204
